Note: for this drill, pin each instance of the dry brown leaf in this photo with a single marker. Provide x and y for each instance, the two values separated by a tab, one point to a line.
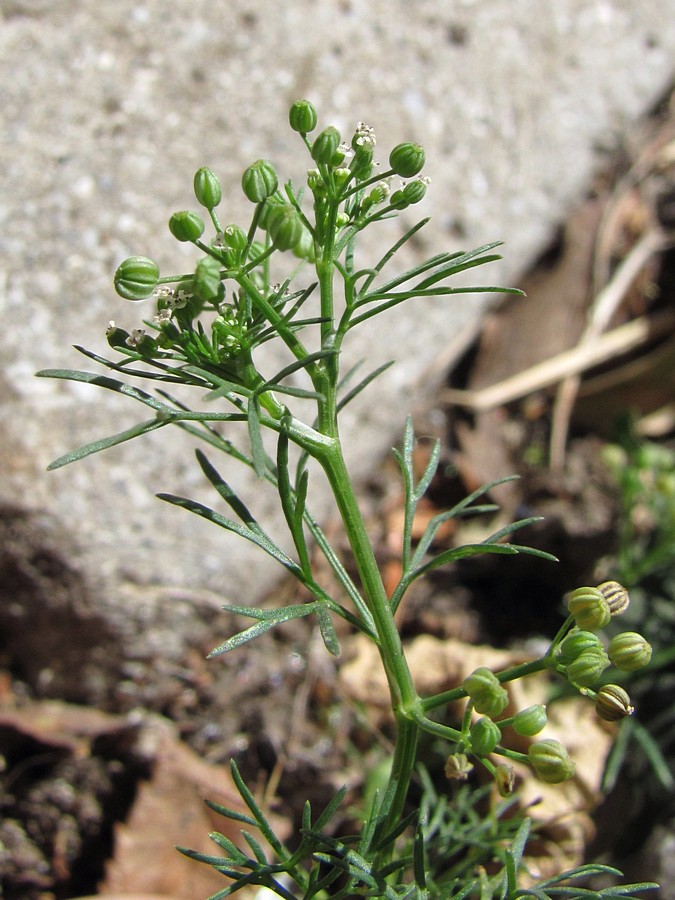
61	725
169	810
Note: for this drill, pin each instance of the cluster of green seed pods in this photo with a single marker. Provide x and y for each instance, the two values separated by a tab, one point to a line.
346	193
583	657
578	654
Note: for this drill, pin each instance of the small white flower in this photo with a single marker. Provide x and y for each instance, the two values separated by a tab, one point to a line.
163	316
111	328
179	299
135	337
346	150
365	135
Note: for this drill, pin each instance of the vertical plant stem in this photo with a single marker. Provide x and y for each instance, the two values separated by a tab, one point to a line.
405	701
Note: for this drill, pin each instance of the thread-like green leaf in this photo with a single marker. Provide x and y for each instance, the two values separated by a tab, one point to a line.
276	617
107	442
327	630
260	539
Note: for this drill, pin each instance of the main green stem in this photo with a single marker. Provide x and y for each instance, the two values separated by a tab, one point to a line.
406	704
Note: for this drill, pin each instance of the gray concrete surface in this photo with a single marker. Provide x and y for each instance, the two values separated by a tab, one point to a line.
109	108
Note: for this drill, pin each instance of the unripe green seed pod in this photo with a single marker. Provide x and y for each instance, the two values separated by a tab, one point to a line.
186	226
485	736
398	200
414	191
481	679
587	668
589	608
302	117
629	651
613	703
259	181
406	159
342	176
325	147
267	210
136	278
550	761
530	721
488	696
576	643
234	237
362	163
616	596
207	188
115	336
284	227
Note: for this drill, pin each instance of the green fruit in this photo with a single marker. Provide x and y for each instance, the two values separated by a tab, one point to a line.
576	643
207	188
285	227
325	147
550	761
587	668
629	651
488	696
530	721
186	226
259	181
590	609
407	159
415	191
136	278
485	735
302	116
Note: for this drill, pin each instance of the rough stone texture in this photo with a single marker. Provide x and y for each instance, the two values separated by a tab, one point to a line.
110	107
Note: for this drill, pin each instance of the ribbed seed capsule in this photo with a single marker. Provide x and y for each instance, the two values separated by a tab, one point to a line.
530	721
136	277
629	651
488	696
576	643
326	145
207	187
589	608
485	736
587	668
612	703
302	116
616	596
186	226
259	181
407	159
550	761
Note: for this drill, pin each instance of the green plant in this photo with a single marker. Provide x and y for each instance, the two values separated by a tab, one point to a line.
207	331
